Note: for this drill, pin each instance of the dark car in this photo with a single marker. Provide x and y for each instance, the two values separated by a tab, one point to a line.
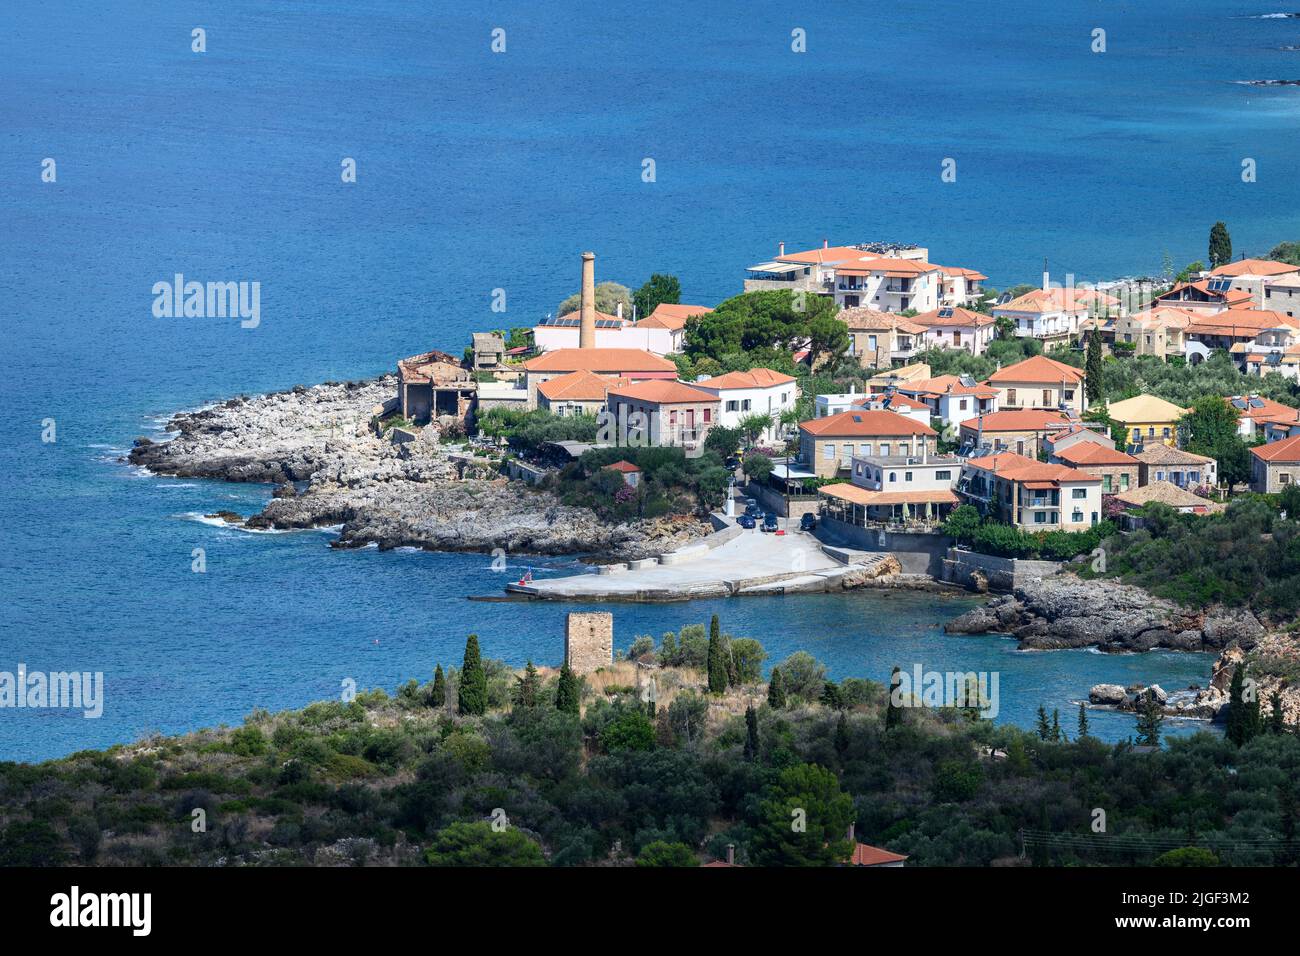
746	521
769	522
753	510
808	521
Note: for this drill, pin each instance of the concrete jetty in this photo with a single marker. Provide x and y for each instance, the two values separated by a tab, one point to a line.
731	562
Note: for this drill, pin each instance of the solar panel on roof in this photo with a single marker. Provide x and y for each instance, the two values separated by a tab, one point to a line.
857	418
945	313
1256	403
1220	285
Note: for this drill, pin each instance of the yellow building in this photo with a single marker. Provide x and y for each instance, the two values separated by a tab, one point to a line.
1148	419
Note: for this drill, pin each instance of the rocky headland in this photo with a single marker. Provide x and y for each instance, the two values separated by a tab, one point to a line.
317	446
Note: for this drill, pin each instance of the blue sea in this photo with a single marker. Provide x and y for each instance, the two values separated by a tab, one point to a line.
479	171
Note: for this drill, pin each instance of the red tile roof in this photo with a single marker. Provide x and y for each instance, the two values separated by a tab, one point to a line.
754	378
1057	300
1091	453
580	386
1039	370
670	315
864	855
663	392
947	385
1254	267
626	467
863	423
1288	450
1015	467
954	317
599	360
1019	420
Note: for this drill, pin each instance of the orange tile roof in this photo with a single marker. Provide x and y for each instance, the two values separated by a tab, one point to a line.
580	386
956	316
865	496
672	315
825	255
1241	322
599	360
576	316
1019	420
1165	316
1057	300
887	266
1259	408
1092	453
903	401
861	318
754	378
1015	467
947	385
863	423
1288	449
1039	370
959	272
663	392
626	467
1254	267
864	855
1229	297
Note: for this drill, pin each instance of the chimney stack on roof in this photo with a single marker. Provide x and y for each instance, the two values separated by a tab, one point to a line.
826	243
587	328
731	854
780	248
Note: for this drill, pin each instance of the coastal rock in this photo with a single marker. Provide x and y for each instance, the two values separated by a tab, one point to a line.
1106	694
392	495
1224	626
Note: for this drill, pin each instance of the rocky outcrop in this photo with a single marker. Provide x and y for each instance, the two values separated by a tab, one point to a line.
380	492
1066	611
1208	703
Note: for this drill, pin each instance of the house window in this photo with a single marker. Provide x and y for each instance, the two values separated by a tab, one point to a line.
907	476
1160	476
1284	478
943	476
1123	482
1069	394
1105	484
893	477
1040	517
1137	435
1080	493
744	406
672	417
708	414
884	449
1055	517
857	468
734	405
864	449
1011	396
1047	397
1165	433
828	452
848	449
962	405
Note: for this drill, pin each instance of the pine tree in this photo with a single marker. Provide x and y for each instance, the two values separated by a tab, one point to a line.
438	696
1083	721
717	659
751	733
831	695
1150	718
1092	369
566	691
472	698
893	712
1044	727
776	690
1220	245
1056	725
527	688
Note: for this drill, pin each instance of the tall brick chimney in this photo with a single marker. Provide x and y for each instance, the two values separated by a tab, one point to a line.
587	330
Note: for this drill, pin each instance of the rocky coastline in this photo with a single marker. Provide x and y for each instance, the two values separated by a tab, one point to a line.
330	468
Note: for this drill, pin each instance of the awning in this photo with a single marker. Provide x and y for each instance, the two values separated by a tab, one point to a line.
863	496
777	267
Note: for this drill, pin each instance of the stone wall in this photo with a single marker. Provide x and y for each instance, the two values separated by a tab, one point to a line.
987	572
916	553
589	640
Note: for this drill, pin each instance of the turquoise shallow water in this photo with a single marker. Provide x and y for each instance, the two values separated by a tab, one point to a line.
481	171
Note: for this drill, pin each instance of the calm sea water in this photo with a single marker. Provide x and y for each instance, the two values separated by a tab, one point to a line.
479	171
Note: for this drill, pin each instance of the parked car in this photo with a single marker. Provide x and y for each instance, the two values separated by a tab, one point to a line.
769	521
752	509
746	521
808	521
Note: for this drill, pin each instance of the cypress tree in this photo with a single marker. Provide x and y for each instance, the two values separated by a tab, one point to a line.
438	696
1044	727
893	712
527	688
717	659
1083	721
473	680
566	691
1239	728
751	733
842	735
1220	245
776	690
1092	370
1275	722
1056	725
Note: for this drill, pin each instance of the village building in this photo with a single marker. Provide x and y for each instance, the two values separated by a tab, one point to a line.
1020	430
676	414
1118	471
888	284
577	393
489	350
1032	495
835	402
878	339
1161	331
1283	295
1255	414
897	402
952	327
1078	433
1054	316
759	391
895	377
1233	330
827	445
1147	419
434	385
814	270
630	472
1254	277
1204	296
1040	382
960	287
894	489
635	365
1180	499
1160	462
1275	465
953	398
659	334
